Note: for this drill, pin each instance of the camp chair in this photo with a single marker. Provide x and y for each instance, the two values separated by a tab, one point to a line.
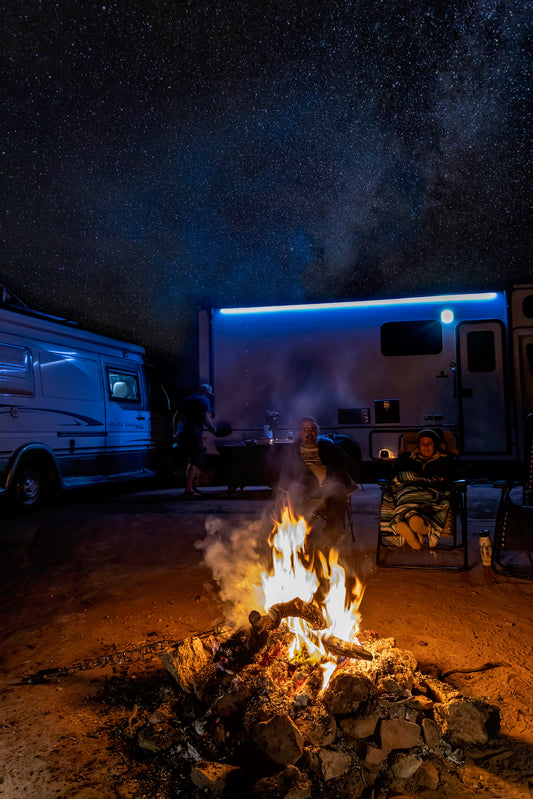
454	539
352	449
512	548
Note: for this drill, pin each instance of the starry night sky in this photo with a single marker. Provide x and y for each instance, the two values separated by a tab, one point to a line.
158	156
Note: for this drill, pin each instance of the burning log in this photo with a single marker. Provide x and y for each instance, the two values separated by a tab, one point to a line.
313	615
296	608
346	649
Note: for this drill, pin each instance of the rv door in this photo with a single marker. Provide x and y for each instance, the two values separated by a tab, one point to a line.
483	407
128	423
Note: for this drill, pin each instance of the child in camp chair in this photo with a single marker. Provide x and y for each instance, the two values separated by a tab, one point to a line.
417	501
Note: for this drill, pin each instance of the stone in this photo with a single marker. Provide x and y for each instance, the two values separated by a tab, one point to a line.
184	663
317	726
374	755
333	763
427	776
398	734
211	776
432	733
405	766
441	691
280	739
467	721
359	728
420	702
391	687
230	703
347	691
289	783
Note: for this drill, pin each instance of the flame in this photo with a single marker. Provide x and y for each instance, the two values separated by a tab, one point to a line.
293	575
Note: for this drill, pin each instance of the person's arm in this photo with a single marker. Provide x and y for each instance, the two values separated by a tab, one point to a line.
208	423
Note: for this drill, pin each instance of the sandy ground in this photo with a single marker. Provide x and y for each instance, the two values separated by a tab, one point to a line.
94	576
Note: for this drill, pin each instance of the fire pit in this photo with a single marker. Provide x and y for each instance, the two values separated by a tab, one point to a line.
298	703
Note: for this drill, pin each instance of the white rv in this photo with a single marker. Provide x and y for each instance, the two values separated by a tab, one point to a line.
76	409
373	369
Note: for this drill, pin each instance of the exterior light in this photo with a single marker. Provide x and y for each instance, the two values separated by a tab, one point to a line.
485	297
446	317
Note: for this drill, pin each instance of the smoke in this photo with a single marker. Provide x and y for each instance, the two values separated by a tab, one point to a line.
236	557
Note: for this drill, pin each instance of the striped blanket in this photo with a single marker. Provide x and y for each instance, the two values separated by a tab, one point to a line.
408	495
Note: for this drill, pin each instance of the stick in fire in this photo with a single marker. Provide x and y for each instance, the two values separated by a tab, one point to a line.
297	608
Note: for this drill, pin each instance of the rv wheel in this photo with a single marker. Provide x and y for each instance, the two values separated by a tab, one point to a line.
29	486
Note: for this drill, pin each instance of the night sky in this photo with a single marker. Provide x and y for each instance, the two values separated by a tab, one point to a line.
158	156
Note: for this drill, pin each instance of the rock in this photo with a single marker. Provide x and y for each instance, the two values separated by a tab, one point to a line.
359	728
287	784
280	739
398	734
211	776
420	702
427	777
467	721
347	691
374	755
184	663
391	687
432	733
317	726
230	703
441	691
333	763
405	766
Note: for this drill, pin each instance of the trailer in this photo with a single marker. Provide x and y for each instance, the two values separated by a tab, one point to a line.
76	408
373	369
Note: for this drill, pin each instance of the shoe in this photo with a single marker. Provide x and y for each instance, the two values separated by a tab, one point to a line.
393	540
411	538
189	495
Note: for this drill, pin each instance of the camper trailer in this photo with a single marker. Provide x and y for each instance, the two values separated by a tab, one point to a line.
373	369
76	408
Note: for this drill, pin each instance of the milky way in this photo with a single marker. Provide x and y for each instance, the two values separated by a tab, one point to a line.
160	156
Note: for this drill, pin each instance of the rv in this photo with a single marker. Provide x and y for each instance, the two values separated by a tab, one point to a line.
373	369
76	408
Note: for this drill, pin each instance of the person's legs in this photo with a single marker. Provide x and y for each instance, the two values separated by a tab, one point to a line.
418	526
405	531
196	461
191	474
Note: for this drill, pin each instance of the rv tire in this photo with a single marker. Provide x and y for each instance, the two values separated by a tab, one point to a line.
31	484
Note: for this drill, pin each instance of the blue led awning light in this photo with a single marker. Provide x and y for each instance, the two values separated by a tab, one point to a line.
485	297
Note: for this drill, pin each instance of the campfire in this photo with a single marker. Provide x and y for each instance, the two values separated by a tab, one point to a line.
299	703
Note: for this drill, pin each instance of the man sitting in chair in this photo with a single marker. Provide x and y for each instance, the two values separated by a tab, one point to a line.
318	476
417	501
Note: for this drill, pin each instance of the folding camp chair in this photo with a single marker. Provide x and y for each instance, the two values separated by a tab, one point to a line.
451	551
512	548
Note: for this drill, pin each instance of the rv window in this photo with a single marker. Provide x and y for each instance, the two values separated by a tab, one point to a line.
419	337
123	386
69	376
481	356
527	306
16	375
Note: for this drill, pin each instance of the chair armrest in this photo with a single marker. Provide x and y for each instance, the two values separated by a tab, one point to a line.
460	485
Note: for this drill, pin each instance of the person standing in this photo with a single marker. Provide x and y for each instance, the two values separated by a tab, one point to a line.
194	418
